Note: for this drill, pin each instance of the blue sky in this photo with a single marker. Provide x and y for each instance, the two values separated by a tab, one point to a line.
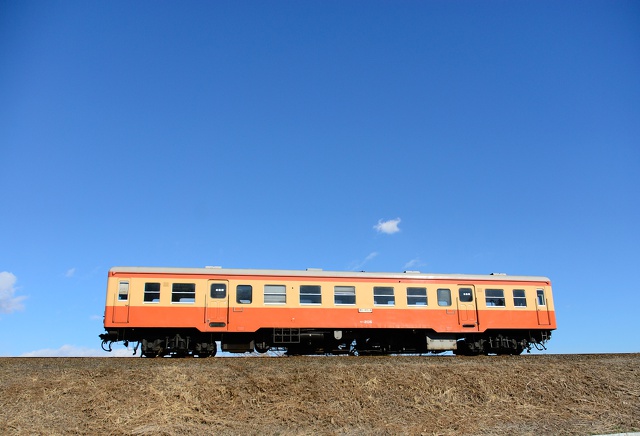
498	136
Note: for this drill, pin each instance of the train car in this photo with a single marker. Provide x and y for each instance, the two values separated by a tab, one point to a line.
189	311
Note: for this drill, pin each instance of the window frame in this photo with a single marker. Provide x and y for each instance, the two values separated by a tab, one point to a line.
460	294
215	295
415	297
275	293
390	299
446	302
189	296
243	289
517	299
147	292
123	290
495	299
310	295
344	292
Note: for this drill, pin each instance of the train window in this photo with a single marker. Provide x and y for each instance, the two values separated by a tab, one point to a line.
466	295
444	297
123	291
344	295
183	293
244	294
275	294
383	295
541	301
218	290
152	292
416	296
519	299
494	297
310	294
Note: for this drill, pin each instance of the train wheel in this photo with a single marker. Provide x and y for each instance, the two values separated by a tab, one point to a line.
262	349
214	349
518	351
206	349
463	349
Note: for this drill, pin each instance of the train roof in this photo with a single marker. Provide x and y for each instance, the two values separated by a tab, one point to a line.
316	272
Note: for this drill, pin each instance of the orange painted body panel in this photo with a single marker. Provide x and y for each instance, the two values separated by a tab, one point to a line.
249	319
160	316
440	320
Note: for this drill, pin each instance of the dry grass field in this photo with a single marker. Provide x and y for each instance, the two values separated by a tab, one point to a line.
542	394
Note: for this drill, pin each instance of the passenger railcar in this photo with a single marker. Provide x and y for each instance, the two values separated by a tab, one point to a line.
188	311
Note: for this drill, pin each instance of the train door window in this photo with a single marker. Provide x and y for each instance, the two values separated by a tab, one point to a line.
416	296
444	297
275	294
183	293
152	292
123	291
244	294
344	295
519	298
383	295
494	297
466	295
310	294
541	301
218	290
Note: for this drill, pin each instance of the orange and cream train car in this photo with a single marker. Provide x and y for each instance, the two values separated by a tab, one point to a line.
188	311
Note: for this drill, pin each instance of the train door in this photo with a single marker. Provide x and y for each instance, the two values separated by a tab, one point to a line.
217	304
467	309
121	302
541	307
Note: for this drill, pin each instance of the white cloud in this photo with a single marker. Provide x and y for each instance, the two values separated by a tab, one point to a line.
9	303
74	351
70	272
389	227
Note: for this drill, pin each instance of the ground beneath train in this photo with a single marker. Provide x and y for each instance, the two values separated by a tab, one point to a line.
444	395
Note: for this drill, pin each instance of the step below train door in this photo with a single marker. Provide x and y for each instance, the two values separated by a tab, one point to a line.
216	314
467	309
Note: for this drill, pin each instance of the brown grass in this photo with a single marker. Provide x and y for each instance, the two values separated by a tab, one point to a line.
562	394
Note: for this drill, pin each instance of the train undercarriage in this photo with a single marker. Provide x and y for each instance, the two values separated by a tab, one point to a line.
294	341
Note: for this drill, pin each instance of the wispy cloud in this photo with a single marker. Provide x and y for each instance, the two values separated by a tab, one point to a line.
388	227
75	351
70	272
9	303
413	264
370	256
357	266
